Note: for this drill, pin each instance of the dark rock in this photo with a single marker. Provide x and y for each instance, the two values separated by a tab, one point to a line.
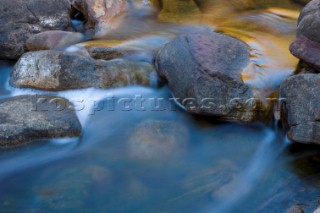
204	73
300	103
99	13
295	209
53	39
20	19
13	38
31	117
307	44
56	71
156	139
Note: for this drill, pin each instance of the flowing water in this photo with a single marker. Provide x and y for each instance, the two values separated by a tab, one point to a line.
187	163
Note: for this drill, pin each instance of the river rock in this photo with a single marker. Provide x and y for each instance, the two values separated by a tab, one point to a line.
57	71
53	39
20	19
203	71
300	103
30	117
106	53
99	13
157	139
13	38
295	209
307	44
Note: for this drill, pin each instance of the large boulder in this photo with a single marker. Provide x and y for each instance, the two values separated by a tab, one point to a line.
31	117
307	44
300	103
57	71
20	19
53	39
203	71
99	13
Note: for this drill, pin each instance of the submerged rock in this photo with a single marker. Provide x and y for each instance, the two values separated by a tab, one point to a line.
156	139
98	13
295	209
203	71
105	53
307	44
57	71
31	117
21	19
300	103
53	39
178	11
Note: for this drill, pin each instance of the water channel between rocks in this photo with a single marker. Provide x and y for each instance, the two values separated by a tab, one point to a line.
187	163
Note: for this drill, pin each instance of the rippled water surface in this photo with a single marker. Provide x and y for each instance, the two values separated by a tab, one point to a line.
161	159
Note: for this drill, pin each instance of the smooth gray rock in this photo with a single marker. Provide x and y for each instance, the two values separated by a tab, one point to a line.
307	44
31	117
203	71
57	71
308	22
300	104
19	19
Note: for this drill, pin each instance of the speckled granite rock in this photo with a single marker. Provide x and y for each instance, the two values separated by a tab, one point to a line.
98	13
20	19
57	71
300	108
31	117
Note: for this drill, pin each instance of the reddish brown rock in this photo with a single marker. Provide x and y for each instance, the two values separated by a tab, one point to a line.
99	13
307	50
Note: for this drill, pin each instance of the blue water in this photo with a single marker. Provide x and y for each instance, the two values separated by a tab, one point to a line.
184	163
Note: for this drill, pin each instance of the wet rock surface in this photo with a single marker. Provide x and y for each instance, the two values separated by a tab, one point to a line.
105	53
98	13
203	72
53	39
307	44
300	108
57	71
31	117
21	19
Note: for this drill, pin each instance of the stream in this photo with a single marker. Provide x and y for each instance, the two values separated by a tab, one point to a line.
204	165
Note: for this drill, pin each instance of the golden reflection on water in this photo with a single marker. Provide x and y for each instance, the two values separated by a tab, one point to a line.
267	26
